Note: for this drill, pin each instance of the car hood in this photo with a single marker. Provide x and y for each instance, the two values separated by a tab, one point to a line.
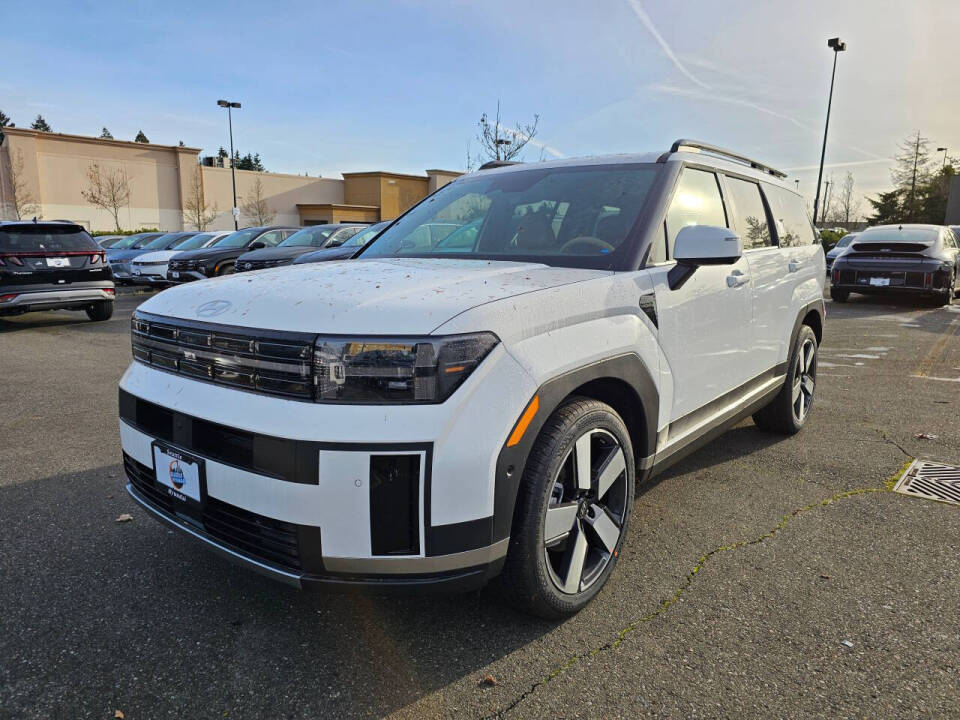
274	253
114	255
209	253
157	256
377	296
327	254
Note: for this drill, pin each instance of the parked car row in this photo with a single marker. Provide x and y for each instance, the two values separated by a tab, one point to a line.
921	260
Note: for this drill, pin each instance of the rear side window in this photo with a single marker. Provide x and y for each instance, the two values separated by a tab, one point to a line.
789	217
749	213
696	201
45	238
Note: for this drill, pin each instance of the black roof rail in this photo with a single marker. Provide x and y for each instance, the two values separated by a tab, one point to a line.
497	164
698	146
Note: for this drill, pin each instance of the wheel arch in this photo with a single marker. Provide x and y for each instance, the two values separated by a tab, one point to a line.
623	382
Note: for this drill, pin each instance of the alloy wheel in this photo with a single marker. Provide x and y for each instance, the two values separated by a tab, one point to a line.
586	512
804	380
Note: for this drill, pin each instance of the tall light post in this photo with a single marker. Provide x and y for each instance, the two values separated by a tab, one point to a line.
944	151
837	46
233	175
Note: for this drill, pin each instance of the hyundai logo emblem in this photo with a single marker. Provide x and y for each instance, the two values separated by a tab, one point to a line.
214	307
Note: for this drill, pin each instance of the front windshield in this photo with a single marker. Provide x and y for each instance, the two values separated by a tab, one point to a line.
362	237
315	236
237	239
568	216
844	241
192	243
162	242
126	242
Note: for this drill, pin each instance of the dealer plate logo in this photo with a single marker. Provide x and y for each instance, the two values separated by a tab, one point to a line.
214	307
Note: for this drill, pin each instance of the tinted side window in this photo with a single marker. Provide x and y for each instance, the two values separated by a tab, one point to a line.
271	238
789	217
749	213
696	201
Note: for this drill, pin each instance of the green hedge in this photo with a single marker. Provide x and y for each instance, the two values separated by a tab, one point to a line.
829	238
96	233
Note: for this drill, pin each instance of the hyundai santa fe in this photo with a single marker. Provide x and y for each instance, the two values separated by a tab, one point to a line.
433	415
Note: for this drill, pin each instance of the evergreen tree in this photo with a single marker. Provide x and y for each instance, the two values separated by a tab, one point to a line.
41	124
141	138
105	135
886	208
934	195
5	120
910	174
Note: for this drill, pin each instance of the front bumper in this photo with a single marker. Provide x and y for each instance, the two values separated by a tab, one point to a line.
184	276
314	480
60	298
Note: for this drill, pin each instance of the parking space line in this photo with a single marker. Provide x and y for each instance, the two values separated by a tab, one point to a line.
936	352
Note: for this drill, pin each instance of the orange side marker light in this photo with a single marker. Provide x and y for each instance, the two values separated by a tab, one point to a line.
524	422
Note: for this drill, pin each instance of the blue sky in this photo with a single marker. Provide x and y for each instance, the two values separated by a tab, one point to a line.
328	87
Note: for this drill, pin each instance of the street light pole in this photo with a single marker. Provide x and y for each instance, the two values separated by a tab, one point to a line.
233	174
944	151
838	47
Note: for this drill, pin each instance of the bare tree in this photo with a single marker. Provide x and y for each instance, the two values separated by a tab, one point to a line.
195	208
255	205
498	142
23	204
848	206
107	190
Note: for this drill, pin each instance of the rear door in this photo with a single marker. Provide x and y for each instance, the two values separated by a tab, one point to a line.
704	324
767	268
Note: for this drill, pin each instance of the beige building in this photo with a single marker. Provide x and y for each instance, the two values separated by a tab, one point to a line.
46	174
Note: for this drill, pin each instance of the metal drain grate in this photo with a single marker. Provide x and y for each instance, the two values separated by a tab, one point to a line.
930	480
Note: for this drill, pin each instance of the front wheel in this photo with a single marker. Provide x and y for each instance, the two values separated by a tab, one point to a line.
572	510
225	269
788	411
101	310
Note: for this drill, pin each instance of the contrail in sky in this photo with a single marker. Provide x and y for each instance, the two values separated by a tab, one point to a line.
651	28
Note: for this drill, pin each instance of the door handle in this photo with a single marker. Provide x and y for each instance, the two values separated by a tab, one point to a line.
736	279
794	265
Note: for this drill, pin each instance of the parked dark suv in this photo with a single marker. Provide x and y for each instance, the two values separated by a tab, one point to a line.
53	266
219	258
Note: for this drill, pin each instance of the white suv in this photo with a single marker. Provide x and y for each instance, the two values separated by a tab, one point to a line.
453	406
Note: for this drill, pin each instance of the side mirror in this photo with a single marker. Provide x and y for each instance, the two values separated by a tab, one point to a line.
257	245
698	245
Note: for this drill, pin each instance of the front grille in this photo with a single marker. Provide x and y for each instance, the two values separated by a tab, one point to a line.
182	265
263	538
246	265
270	363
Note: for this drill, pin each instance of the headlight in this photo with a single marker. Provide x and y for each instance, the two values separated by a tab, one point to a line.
378	370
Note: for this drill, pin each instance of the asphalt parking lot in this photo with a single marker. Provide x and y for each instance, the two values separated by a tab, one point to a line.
762	576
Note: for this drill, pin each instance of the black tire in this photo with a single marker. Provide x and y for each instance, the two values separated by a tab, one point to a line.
783	415
530	578
100	311
226	269
839	295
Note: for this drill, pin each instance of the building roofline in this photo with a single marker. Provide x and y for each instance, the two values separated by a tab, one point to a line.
445	172
341	206
383	173
30	132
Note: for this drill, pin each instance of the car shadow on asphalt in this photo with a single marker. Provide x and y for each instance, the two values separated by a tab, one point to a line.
932	318
135	599
742	440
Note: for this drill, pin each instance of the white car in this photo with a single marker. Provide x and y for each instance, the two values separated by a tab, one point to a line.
151	268
434	415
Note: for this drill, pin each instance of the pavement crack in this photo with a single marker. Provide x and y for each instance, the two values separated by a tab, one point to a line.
893	442
694	573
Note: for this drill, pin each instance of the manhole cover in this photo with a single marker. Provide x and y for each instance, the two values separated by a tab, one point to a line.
930	480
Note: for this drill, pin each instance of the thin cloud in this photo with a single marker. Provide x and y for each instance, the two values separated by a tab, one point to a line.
827	166
532	141
667	50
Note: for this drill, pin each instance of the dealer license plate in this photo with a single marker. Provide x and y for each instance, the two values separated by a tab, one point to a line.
178	473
